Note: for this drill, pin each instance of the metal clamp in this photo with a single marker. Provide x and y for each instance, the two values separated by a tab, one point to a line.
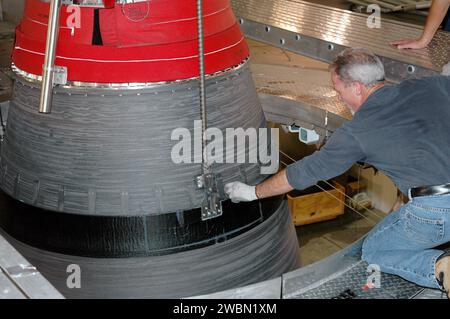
60	75
213	187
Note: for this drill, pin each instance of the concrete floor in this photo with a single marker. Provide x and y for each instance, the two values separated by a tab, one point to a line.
320	240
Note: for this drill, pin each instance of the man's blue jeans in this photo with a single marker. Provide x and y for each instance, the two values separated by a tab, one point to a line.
404	243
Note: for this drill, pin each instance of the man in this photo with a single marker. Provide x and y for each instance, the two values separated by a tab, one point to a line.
404	131
437	14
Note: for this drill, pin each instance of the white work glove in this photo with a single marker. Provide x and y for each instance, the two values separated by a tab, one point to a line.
240	192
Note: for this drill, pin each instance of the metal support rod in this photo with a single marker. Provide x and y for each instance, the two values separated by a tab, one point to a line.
201	58
211	205
45	105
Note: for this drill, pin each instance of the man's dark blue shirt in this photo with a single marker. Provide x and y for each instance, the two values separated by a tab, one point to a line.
402	130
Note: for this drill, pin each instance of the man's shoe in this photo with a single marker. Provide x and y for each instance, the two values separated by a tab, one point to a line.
442	272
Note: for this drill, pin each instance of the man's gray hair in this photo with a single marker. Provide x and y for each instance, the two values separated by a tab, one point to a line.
358	65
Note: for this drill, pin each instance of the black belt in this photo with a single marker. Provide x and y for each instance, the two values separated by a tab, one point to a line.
430	190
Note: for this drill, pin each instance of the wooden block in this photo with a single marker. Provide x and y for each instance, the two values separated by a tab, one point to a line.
317	207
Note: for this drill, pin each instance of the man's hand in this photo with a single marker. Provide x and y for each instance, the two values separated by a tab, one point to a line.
240	192
410	44
436	15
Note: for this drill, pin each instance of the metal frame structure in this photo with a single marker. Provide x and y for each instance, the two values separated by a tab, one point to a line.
395	6
292	25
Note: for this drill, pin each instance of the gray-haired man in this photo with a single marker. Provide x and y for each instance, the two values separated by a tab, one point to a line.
404	131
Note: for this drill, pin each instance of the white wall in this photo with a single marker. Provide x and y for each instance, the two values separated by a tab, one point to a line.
380	188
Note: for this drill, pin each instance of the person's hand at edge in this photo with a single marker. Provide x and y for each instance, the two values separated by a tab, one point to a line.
410	43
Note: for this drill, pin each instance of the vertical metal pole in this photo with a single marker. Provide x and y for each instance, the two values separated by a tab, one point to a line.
45	105
211	205
201	59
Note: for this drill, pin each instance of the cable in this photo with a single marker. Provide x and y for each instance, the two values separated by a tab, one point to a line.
345	195
329	184
345	204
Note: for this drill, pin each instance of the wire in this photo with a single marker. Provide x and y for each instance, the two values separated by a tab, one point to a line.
329	184
348	206
352	200
345	204
345	195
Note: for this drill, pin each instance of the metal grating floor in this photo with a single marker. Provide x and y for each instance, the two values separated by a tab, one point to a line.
350	286
344	276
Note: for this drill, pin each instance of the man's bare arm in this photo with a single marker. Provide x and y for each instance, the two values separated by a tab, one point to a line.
275	185
436	14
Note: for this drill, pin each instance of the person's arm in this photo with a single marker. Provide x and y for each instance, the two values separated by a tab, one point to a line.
436	14
275	185
337	156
